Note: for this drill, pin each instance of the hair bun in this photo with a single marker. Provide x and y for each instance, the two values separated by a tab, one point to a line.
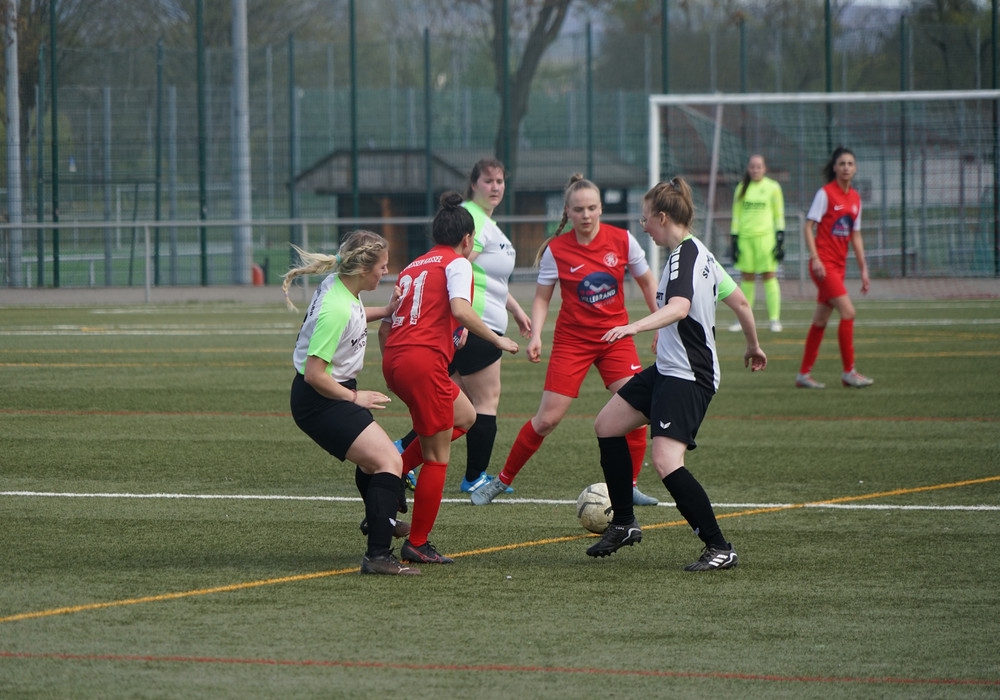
451	199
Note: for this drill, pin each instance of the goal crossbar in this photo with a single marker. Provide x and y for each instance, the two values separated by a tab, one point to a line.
932	177
760	98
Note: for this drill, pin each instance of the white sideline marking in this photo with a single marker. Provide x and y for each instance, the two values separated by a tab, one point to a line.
94	331
530	501
284	328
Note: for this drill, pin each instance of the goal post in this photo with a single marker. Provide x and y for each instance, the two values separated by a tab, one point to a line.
928	169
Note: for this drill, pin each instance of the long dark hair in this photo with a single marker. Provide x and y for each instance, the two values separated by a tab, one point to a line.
828	170
745	182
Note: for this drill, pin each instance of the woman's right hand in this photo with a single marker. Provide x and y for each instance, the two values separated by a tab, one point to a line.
372	400
816	265
507	345
535	350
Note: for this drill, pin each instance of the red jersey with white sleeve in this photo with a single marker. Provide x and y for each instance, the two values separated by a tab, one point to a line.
837	214
429	283
591	281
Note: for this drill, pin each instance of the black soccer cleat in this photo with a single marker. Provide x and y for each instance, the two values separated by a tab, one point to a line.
713	558
387	565
424	554
616	537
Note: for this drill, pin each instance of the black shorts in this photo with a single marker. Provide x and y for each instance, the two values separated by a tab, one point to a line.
333	425
477	354
675	407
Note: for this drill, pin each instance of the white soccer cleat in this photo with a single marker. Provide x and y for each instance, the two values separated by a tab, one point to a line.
855	379
804	381
641	499
487	492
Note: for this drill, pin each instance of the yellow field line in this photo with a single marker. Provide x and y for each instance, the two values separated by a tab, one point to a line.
175	596
901	492
488	550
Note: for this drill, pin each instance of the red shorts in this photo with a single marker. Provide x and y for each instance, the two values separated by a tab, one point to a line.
420	378
571	360
831	286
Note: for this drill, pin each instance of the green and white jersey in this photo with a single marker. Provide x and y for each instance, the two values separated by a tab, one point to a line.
727	285
761	210
335	329
491	269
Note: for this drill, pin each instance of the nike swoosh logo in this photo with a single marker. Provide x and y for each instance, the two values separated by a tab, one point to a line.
838	207
635	367
574	269
665	425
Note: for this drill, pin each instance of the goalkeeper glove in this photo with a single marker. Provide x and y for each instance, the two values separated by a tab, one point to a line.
779	248
735	248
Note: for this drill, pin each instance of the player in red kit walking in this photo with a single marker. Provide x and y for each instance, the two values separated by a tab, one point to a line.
436	298
589	263
832	224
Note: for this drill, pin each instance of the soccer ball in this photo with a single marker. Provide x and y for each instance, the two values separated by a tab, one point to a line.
593	508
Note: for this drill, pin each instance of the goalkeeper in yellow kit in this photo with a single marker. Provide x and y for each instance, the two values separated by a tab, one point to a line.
758	236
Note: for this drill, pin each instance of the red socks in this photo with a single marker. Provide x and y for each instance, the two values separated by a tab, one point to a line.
813	341
637	449
527	443
427	501
845	336
413	455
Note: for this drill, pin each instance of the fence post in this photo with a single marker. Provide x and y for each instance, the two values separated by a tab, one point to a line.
149	263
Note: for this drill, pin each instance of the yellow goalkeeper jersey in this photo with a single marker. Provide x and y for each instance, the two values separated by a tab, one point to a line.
761	211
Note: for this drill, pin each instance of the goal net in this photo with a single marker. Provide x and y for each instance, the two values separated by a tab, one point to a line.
927	169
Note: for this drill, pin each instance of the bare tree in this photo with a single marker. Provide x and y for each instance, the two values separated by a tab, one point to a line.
544	29
533	26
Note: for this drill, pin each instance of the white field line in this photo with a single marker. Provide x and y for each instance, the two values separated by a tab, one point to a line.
512	501
158	332
283	328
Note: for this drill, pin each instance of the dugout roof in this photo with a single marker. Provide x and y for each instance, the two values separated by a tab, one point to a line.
403	171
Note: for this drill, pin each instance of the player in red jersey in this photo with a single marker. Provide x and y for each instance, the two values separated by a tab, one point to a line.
589	262
436	299
833	223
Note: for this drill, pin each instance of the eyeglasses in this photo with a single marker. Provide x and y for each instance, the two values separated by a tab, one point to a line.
645	220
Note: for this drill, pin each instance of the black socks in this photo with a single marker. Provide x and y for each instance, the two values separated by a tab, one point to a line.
693	503
479	445
616	462
380	510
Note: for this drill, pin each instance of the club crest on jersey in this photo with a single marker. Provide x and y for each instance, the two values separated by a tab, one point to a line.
611	260
596	288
